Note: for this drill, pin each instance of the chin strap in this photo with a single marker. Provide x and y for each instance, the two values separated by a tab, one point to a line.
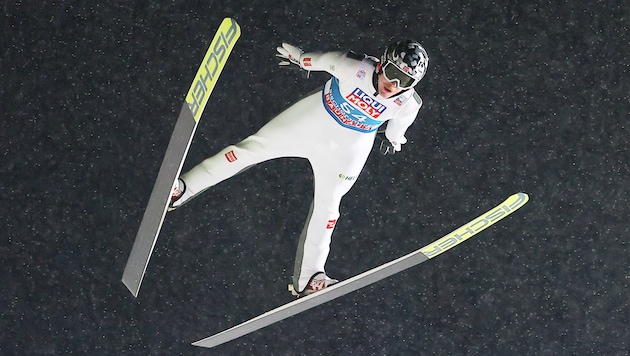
377	71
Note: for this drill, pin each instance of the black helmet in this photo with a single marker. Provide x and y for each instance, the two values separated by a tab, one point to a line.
406	62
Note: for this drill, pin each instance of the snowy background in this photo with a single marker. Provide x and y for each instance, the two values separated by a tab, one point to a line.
530	97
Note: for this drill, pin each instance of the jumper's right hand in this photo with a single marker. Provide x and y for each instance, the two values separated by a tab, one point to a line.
289	55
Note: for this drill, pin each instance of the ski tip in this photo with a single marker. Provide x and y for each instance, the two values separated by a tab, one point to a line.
521	197
515	201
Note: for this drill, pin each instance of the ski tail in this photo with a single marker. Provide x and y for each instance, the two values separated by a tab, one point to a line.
176	152
376	274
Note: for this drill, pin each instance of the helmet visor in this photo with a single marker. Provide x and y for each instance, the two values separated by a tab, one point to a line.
394	74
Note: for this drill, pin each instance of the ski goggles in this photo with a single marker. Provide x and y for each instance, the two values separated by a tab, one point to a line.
393	74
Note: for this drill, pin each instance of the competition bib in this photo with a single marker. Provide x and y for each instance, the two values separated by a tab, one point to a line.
357	111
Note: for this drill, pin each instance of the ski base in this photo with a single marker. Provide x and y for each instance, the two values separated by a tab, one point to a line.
158	201
433	249
176	152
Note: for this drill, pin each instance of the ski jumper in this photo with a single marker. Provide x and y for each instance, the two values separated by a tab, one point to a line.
334	129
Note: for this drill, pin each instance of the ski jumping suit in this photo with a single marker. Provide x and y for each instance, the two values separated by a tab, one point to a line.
334	129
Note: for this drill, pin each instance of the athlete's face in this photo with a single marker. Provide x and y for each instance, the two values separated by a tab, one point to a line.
387	89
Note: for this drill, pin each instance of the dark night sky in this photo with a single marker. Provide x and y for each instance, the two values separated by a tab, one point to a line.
530	97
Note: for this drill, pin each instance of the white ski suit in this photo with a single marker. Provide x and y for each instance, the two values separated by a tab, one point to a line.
334	129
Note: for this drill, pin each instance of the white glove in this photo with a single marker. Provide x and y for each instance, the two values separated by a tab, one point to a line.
398	144
388	147
289	55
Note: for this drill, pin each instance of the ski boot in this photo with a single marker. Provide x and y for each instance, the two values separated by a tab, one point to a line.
178	192
318	282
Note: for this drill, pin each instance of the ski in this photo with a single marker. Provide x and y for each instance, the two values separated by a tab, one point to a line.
196	100
429	251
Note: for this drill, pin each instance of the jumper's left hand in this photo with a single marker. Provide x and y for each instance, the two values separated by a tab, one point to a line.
389	147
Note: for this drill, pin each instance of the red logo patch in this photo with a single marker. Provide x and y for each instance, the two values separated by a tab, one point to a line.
331	224
231	156
307	62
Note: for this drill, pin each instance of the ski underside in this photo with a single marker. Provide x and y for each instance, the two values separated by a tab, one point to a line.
196	100
429	251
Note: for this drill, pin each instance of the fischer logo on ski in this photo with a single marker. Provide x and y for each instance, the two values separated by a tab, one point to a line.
467	231
211	67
